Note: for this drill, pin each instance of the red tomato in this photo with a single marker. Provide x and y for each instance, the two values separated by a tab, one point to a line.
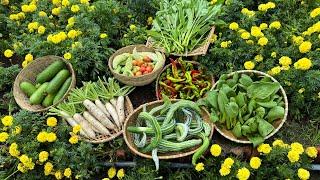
142	69
149	69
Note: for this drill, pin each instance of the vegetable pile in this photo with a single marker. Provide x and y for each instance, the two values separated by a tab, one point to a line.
180	26
98	107
171	127
137	63
246	106
184	80
52	84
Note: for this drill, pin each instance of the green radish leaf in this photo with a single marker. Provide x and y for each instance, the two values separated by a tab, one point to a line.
276	112
262	90
213	116
212	98
269	104
245	80
264	128
256	139
240	99
251	105
245	129
236	131
260	112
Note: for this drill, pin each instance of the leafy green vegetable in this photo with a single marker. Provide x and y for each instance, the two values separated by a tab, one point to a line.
237	130
262	90
245	80
264	127
275	113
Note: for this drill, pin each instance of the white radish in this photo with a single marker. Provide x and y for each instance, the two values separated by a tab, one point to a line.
101	106
72	121
98	114
113	101
103	130
85	126
113	113
120	108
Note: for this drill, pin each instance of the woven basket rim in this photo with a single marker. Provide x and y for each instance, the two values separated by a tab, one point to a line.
168	66
146	77
174	156
201	50
106	138
282	121
35	63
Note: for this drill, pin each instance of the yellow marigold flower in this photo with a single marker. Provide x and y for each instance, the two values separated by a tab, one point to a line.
271	5
51	137
112	172
150	20
43	156
67	172
274	54
76	45
105	179
247	12
263	41
303	64
73	139
301	90
255	162
8	53
42	137
293	156
72	34
48	168
305	47
233	26
256	31
13	150
264	148
4	2
214	38
215	150
25	8
297	147
76	129
33	25
67	56
243	174
103	35
7	120
245	35
52	121
17	130
314	13
21	15
14	17
297	40
133	27
275	25
263	26
62	35
42	14
28	57
258	58
199	167
275	70
249	42
56	2
303	174
71	20
249	65
56	11
225	44
65	2
228	162
24	159
224	171
58	175
263	7
278	142
120	173
312	152
285	61
75	8
41	30
24	64
4	136
84	2
21	168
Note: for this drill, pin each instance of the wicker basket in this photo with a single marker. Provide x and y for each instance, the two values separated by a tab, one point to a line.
130	80
30	73
128	137
276	124
202	50
169	66
106	138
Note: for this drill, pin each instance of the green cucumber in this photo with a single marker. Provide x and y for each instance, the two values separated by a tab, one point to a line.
48	73
27	88
39	94
62	91
58	81
48	100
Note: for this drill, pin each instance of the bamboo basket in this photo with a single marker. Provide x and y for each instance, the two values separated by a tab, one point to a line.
30	73
106	138
202	50
130	80
131	119
169	66
276	124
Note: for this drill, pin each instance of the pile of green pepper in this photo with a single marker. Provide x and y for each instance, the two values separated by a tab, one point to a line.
183	81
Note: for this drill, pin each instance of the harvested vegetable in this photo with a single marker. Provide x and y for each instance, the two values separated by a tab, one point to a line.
171	127
137	63
184	80
246	105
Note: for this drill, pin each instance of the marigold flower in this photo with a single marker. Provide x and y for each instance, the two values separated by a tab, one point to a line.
150	20
28	57
258	58
314	13
228	162
243	174
263	41
245	35
199	167
215	150
256	31
263	26
67	56
312	152
303	64
71	20
73	139
8	53
52	121
56	2
103	35
43	156
7	120
133	27
4	136
22	168
75	8
67	172
297	40
285	61
278	142
112	172
72	34
275	25
42	137
76	129
303	174
225	44
234	26
249	42
51	137
224	171
41	30
264	148
297	147
274	54
56	11
58	175
42	14
249	65
247	12
120	173
48	168
84	2
24	64
255	162
293	156
305	47
275	70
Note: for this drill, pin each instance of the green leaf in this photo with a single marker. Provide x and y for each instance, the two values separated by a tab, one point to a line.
262	90
269	104
245	80
240	99
260	112
256	139
264	127
212	99
213	116
237	130
276	112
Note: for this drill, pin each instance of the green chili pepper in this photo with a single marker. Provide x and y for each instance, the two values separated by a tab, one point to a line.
174	80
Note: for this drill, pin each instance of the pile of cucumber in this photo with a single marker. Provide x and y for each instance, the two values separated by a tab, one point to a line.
52	83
